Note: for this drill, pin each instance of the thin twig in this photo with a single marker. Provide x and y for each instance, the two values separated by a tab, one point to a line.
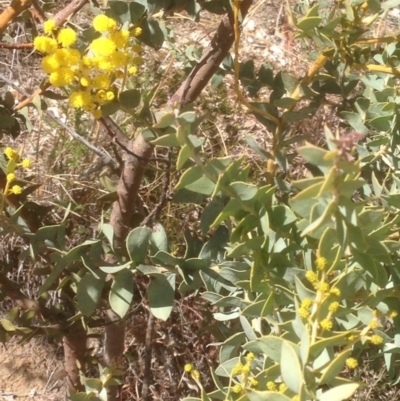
154	215
14	46
147	358
122	141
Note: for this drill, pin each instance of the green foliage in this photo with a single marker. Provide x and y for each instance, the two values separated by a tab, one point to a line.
302	273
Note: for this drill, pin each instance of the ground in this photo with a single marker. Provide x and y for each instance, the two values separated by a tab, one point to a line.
31	371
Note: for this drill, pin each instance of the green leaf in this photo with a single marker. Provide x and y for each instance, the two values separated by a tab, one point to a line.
158	239
194	180
254	145
7	325
53	95
291	370
187	118
137	243
166	120
390	4
340	393
269	345
315	155
169	140
89	293
243	191
115	269
253	395
334	340
302	291
161	295
321	220
121	293
290	82
119	10
354	119
184	155
326	248
335	367
306	24
55	273
136	11
129	98
108	231
210	213
152	33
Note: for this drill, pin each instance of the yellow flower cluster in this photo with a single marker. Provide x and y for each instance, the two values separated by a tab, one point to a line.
376	339
304	310
245	371
110	57
326	324
351	363
188	368
10	188
272	386
321	263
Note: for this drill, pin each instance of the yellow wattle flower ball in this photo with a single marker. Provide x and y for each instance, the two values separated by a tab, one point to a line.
334	306
120	38
376	339
311	276
101	81
43	44
304	313
11	153
67	37
321	263
80	99
118	59
16	190
133	70
103	47
137	31
51	64
237	388
110	96
102	23
85	81
49	26
326	324
26	163
195	374
63	77
188	368
351	363
10	177
253	382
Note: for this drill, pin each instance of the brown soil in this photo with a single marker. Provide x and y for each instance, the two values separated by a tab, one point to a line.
31	371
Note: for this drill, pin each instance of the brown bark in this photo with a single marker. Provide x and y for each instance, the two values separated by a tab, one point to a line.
11	12
114	344
74	342
128	189
210	61
69	10
16	46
